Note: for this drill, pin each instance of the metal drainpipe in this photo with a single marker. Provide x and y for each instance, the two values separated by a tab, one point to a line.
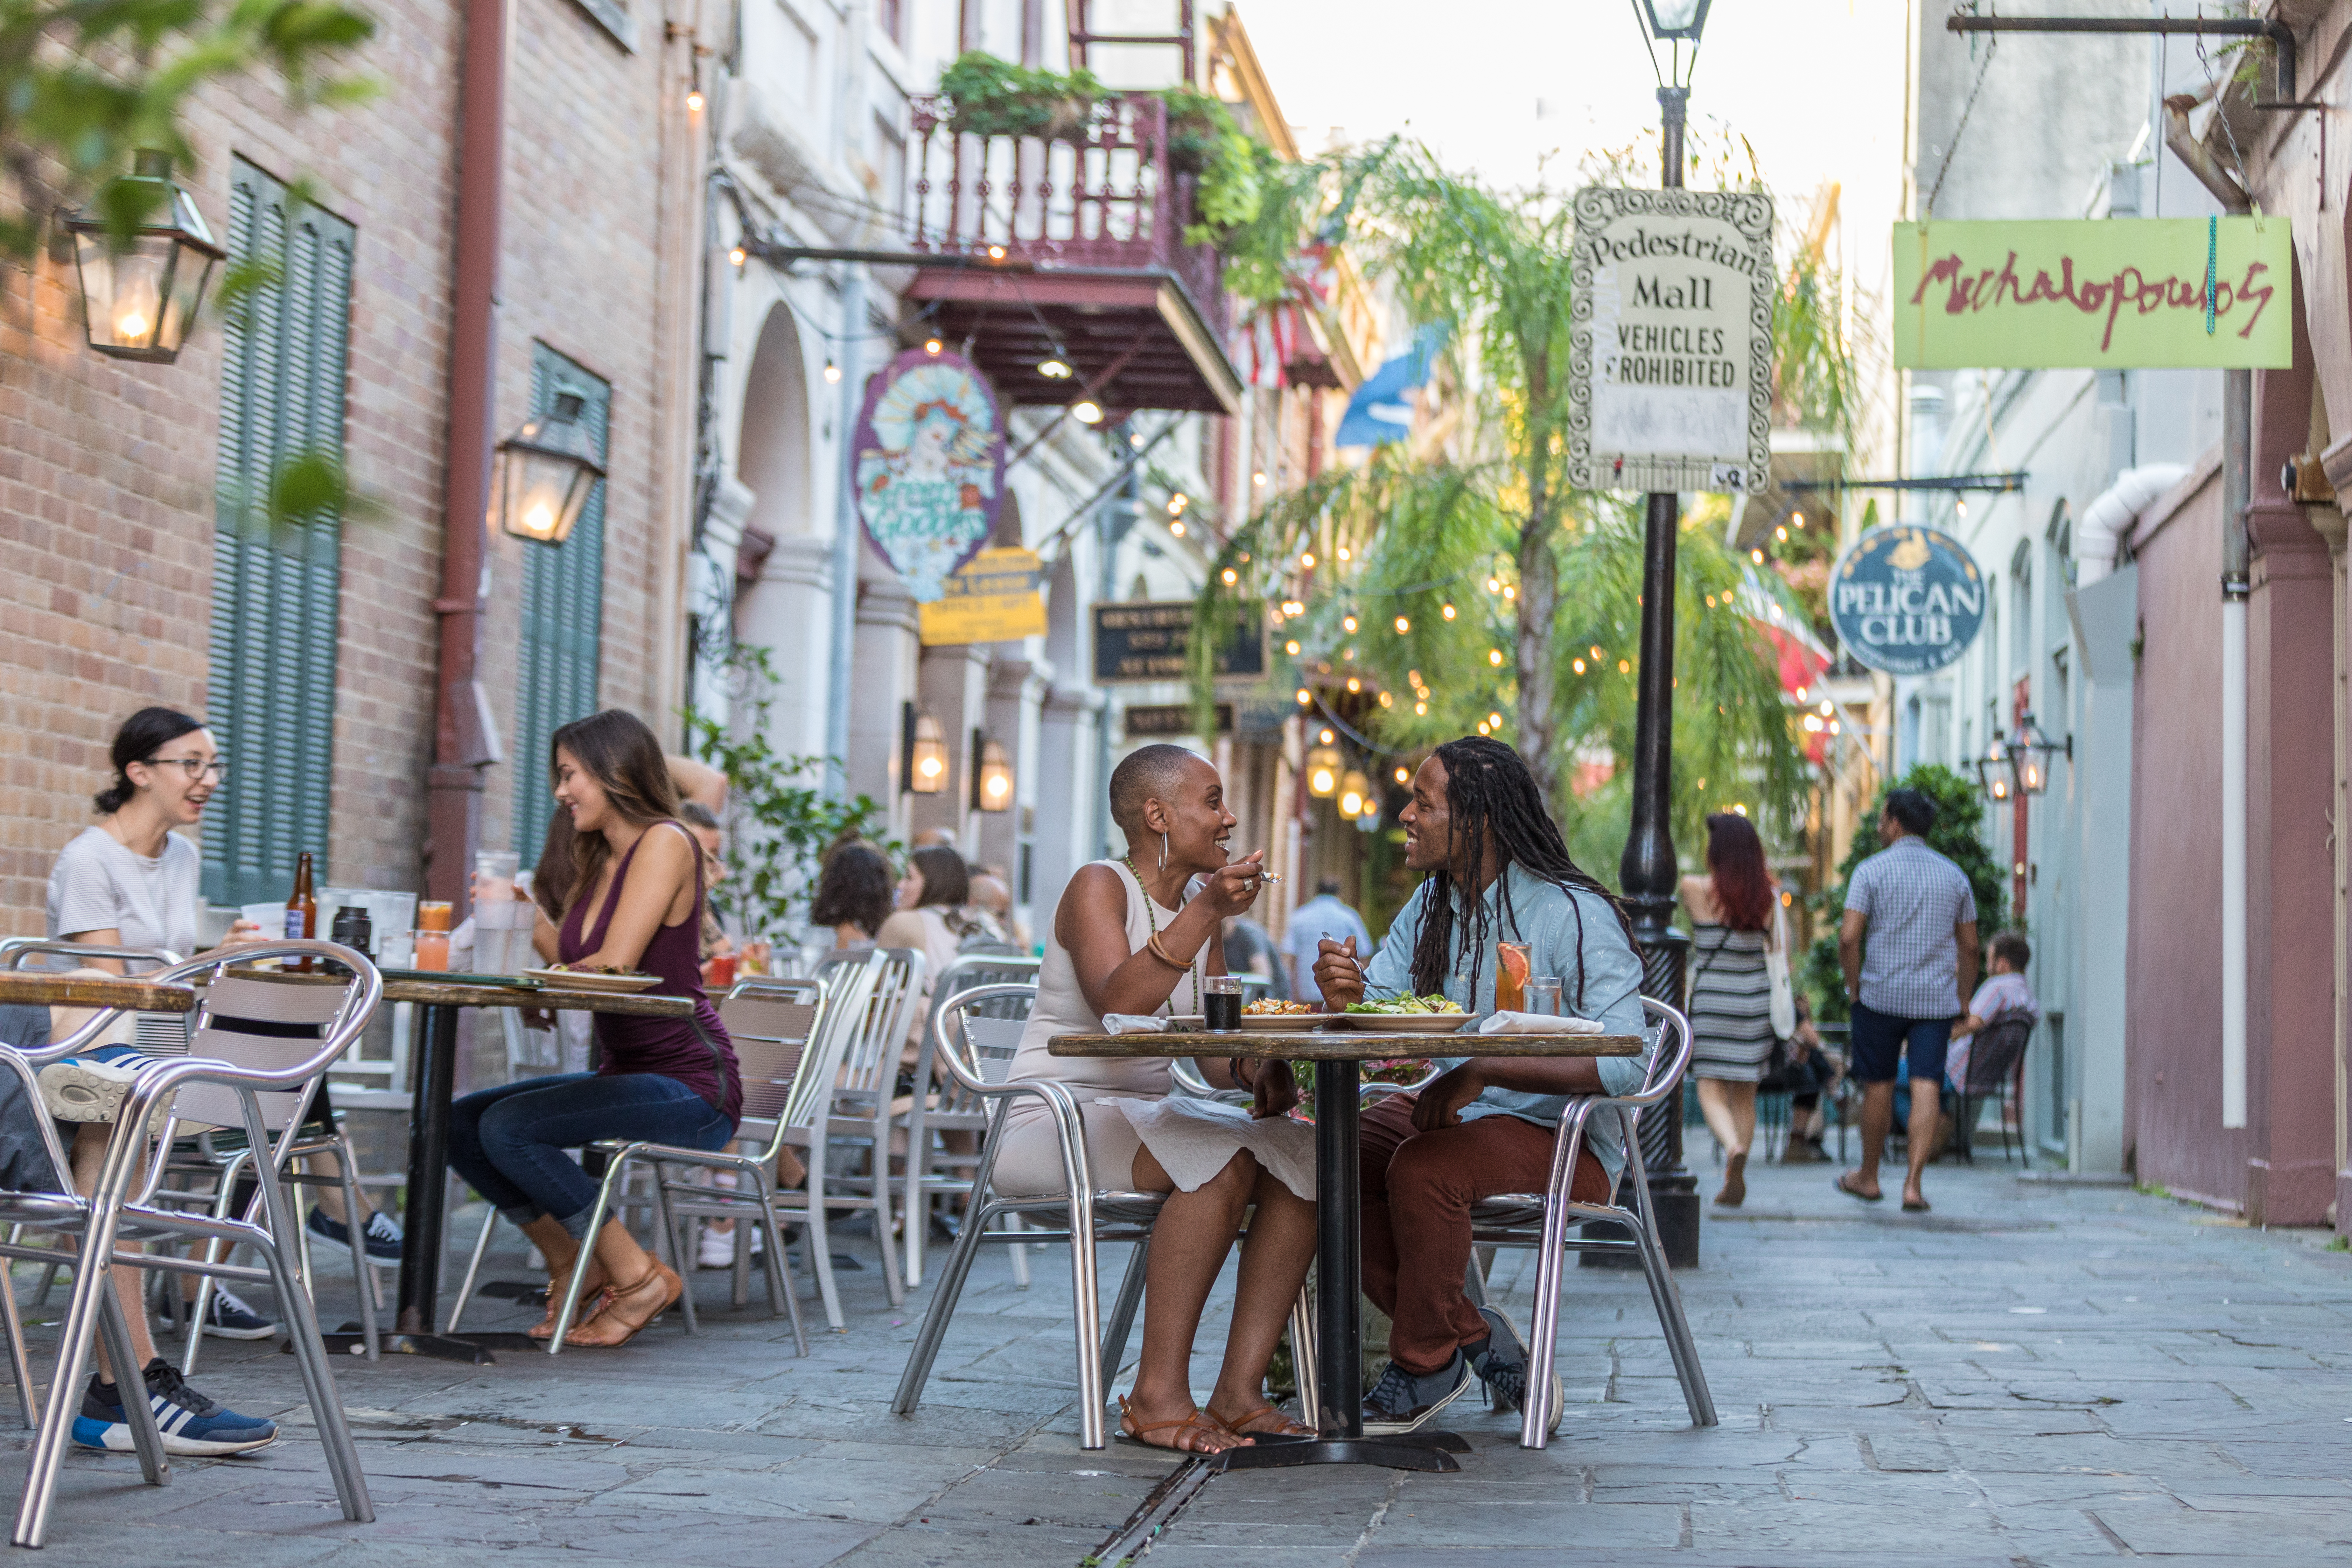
845	531
462	747
2237	436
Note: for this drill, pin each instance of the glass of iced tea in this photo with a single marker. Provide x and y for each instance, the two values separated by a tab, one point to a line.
1513	963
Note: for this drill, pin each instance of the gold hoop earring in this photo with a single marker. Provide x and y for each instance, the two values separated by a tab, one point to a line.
1164	851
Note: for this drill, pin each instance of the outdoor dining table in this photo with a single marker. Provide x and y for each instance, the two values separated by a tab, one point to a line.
35	987
424	1221
1338	1055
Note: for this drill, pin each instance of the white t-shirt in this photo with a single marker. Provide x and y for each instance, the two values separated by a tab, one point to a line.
99	884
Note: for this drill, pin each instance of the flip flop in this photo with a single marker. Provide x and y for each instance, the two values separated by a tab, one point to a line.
1912	1206
1865	1197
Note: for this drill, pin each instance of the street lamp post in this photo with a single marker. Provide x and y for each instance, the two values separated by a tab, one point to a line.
1648	873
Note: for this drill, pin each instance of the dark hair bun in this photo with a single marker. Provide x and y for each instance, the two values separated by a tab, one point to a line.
139	739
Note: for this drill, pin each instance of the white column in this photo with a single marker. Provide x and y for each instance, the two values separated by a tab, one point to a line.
1066	786
883	679
788	612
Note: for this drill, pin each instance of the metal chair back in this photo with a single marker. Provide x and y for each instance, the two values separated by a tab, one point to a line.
15	950
295	1017
771	1023
1993	1054
878	1033
971	967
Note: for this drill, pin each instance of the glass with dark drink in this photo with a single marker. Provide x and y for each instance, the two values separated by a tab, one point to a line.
1221	1002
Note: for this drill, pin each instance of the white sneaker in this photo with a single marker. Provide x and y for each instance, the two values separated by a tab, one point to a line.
717	1248
91	1088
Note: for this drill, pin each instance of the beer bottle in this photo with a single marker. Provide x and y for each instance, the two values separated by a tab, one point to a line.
302	909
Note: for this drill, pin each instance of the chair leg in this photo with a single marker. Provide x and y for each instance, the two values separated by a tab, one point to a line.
680	1247
892	1280
926	1349
1535	1422
911	1201
1020	1251
473	1270
615	1175
1123	1307
318	1383
93	1281
20	1365
819	1242
1680	1345
362	1276
1303	1363
782	1298
146	1437
1087	1309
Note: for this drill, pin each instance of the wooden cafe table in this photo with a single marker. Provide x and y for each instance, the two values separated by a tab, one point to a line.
1337	1055
38	988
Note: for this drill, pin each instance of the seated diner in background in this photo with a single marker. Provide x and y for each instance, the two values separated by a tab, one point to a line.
1493	870
636	903
1126	940
855	894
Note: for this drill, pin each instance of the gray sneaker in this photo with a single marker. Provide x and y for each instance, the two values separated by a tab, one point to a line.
1502	1366
1404	1401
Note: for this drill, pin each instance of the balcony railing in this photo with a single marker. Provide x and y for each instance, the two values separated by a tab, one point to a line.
1103	198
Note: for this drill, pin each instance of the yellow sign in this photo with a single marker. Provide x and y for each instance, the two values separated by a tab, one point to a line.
993	599
2095	293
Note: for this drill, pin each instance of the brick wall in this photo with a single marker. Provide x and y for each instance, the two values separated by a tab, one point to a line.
106	469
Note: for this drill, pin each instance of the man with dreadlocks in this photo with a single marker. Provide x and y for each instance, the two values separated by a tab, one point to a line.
1496	871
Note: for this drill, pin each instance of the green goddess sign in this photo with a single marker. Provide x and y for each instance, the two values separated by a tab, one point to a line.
2099	294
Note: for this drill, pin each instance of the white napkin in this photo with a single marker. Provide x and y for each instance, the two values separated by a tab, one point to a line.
1138	1024
1538	1023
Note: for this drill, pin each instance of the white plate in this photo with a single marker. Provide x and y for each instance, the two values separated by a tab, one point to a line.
579	980
1288	1023
1410	1023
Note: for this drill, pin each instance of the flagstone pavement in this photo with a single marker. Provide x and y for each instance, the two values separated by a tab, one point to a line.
2037	1372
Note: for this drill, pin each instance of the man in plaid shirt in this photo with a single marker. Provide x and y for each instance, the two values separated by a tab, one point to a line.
1907	986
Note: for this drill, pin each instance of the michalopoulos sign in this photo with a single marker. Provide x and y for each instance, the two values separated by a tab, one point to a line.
2100	293
1907	600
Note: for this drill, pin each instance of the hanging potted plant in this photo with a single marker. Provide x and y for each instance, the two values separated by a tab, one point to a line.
990	97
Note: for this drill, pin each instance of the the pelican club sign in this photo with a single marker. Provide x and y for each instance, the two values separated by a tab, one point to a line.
1907	600
2096	294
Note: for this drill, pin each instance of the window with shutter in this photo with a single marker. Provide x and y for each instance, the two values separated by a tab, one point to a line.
563	608
285	348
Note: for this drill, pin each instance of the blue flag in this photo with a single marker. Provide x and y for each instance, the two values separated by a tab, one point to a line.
1380	411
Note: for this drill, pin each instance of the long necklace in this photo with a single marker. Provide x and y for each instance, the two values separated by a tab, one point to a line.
1151	922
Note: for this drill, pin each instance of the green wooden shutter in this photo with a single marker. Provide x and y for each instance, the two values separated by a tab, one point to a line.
275	595
563	609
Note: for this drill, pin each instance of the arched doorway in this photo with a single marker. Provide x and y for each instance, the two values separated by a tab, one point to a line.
782	599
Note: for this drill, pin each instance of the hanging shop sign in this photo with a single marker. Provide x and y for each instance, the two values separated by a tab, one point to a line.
930	467
1151	641
1671	340
2095	293
1907	600
1163	721
992	597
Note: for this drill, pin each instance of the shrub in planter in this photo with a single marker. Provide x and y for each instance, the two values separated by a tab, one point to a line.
992	97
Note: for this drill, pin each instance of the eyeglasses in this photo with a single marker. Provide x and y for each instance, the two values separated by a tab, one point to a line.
197	768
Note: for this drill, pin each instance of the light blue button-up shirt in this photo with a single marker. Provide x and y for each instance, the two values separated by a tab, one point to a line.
1575	936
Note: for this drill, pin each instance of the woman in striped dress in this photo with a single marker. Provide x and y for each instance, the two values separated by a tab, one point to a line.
1732	910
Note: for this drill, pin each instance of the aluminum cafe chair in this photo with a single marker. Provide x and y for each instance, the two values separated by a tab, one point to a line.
941	1105
977	1049
262	1083
858	1113
1540	1221
778	1027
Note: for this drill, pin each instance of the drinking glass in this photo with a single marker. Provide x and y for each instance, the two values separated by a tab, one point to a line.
433	914
1513	960
1543	995
433	950
1220	1002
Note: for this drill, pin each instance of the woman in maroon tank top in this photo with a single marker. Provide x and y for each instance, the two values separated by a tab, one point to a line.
636	903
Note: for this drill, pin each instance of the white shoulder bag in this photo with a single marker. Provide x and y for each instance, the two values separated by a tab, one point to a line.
1776	970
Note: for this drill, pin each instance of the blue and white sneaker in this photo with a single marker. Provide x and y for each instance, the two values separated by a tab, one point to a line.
91	1087
1502	1366
228	1316
192	1423
382	1236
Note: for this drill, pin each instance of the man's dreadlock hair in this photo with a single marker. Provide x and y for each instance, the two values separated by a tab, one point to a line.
1487	785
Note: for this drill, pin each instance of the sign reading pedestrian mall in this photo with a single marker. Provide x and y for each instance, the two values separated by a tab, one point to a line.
2096	294
1671	340
1907	600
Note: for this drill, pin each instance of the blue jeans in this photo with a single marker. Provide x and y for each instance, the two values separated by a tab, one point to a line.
510	1143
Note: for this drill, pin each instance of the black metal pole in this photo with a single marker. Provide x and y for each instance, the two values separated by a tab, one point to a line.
1339	1253
427	1218
1648	874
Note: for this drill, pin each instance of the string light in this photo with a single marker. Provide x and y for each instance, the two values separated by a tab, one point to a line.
1354	684
694	101
1176	503
831	371
1307	559
1710	601
1291	648
1346	623
1596	653
1386	700
1578	667
1494	657
1782	534
1257	479
1348	654
1404	625
1087	411
1305	696
1229	576
1495	720
1493	585
996	253
1420	710
1796	519
1624	668
1756	557
737	256
1447	610
1053	370
1482	726
1402	775
1509	592
1344	554
932	345
1177	529
1962	506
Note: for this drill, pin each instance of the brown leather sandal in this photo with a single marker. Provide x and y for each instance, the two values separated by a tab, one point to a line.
613	1327
1286	1426
592	1301
1196	1421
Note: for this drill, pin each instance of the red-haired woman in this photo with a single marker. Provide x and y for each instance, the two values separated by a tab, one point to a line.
1732	911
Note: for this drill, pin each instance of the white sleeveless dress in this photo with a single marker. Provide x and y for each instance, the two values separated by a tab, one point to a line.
1125	1100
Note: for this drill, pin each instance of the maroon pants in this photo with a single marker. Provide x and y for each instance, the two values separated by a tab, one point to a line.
1417	1191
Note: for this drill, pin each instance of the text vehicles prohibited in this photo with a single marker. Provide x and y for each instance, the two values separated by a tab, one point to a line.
1671	340
1907	600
